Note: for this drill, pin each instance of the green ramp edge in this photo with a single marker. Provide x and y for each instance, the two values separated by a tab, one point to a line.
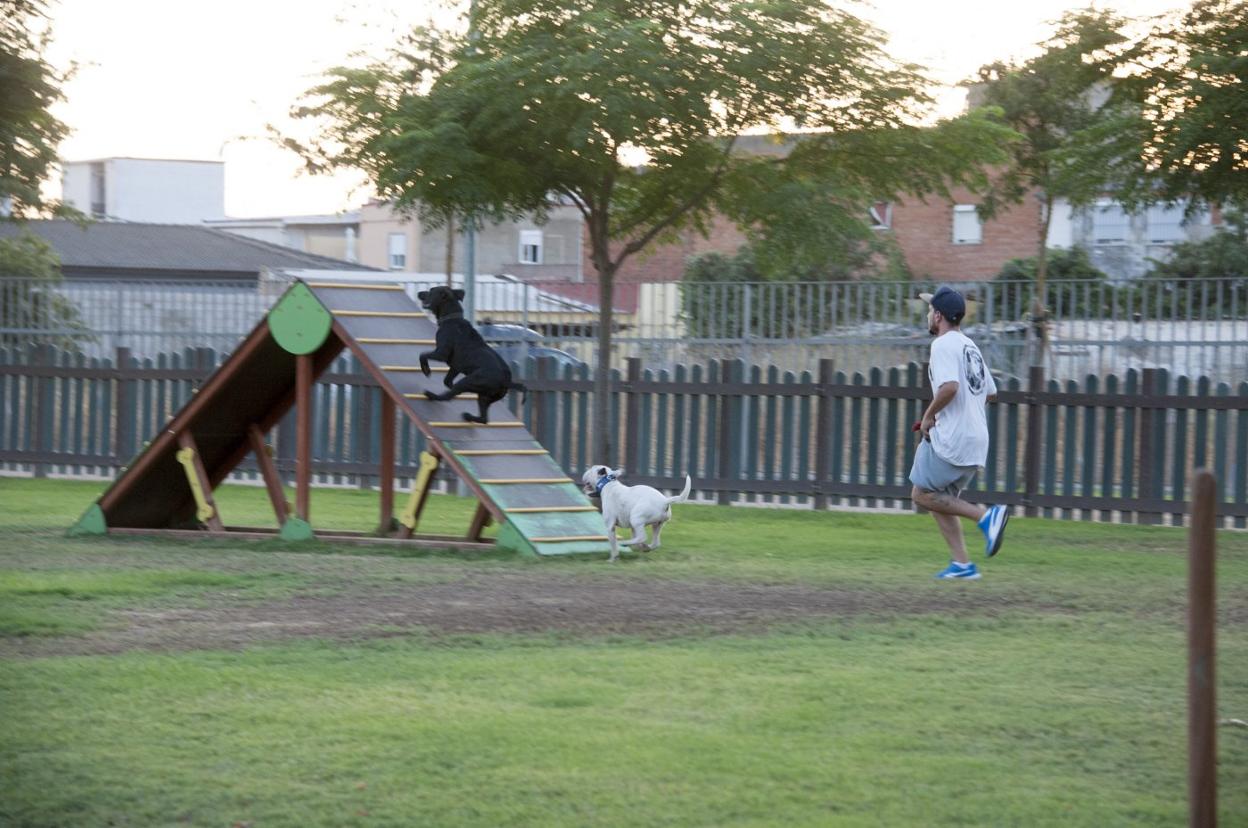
91	523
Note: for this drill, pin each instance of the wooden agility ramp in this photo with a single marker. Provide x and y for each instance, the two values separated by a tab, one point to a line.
168	487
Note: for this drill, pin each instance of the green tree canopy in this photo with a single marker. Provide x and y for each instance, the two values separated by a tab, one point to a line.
632	110
1187	80
29	134
1060	102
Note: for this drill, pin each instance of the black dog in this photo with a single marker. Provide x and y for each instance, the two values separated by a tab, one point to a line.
462	348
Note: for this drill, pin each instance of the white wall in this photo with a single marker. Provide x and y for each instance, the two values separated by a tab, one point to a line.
76	186
151	190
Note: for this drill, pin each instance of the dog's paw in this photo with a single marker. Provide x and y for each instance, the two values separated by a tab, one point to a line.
448	381
424	367
472	418
429	395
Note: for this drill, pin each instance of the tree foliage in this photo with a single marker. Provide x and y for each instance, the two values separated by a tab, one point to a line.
1073	285
1061	103
1222	257
29	138
29	133
1058	101
632	109
1187	80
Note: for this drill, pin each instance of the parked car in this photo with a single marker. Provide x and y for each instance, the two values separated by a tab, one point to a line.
515	342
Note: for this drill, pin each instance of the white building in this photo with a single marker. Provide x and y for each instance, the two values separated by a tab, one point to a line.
157	191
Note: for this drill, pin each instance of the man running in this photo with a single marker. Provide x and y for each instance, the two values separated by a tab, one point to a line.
954	431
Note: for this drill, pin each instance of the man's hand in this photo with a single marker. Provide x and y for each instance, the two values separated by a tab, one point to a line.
925	427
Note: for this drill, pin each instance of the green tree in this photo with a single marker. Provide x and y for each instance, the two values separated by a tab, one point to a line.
29	133
1059	101
1074	284
1222	256
1186	79
29	137
632	109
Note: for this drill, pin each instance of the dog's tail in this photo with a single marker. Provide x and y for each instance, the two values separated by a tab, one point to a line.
683	496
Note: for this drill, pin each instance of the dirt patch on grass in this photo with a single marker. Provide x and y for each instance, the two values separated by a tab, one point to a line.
448	601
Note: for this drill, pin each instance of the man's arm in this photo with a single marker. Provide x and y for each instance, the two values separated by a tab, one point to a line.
944	396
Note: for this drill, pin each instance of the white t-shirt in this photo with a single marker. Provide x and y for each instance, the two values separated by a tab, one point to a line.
960	436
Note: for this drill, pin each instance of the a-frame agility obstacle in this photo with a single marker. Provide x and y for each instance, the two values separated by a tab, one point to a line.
168	487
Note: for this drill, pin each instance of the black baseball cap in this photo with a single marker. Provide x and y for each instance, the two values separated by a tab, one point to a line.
948	301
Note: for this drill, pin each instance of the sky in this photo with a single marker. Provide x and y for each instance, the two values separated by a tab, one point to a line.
180	79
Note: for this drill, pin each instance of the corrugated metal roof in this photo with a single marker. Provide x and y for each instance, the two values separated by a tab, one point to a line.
165	247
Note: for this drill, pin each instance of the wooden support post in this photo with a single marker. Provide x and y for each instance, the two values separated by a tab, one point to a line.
1035	437
197	480
1202	739
480	519
823	432
386	469
410	516
303	436
268	471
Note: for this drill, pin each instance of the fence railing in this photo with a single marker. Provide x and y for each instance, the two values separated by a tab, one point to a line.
1197	328
1118	448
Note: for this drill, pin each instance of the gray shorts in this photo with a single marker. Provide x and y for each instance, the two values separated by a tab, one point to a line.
931	474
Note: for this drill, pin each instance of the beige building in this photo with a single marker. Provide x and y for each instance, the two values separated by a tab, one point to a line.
525	249
334	236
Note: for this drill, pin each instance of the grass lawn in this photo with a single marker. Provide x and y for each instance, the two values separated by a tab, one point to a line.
809	672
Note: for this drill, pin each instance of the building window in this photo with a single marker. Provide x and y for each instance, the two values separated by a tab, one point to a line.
1166	224
880	215
398	251
967	228
99	201
530	247
1110	223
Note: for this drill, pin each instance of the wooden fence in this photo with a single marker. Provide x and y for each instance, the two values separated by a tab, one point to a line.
1118	449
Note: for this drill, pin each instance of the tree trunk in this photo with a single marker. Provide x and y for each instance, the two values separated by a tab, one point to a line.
450	248
1038	333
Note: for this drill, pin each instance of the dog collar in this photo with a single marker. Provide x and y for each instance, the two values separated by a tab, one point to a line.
603	481
450	316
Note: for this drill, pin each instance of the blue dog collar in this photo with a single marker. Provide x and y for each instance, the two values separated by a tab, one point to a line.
603	481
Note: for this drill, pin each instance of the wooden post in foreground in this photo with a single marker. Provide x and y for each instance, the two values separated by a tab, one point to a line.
1202	740
303	436
386	472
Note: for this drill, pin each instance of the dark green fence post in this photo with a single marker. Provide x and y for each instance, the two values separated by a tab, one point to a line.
725	448
541	405
43	416
364	433
1035	439
632	429
823	432
1145	468
124	421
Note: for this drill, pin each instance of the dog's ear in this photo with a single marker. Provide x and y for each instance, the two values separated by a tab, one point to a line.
602	471
458	294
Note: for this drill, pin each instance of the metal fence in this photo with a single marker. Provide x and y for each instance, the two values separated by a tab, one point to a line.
1197	328
1122	448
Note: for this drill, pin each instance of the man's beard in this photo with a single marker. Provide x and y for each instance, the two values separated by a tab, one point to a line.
932	329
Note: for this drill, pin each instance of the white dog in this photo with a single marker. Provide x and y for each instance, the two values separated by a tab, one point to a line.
633	506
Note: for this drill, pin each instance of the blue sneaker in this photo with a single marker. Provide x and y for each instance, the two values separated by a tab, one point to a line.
992	524
957	571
